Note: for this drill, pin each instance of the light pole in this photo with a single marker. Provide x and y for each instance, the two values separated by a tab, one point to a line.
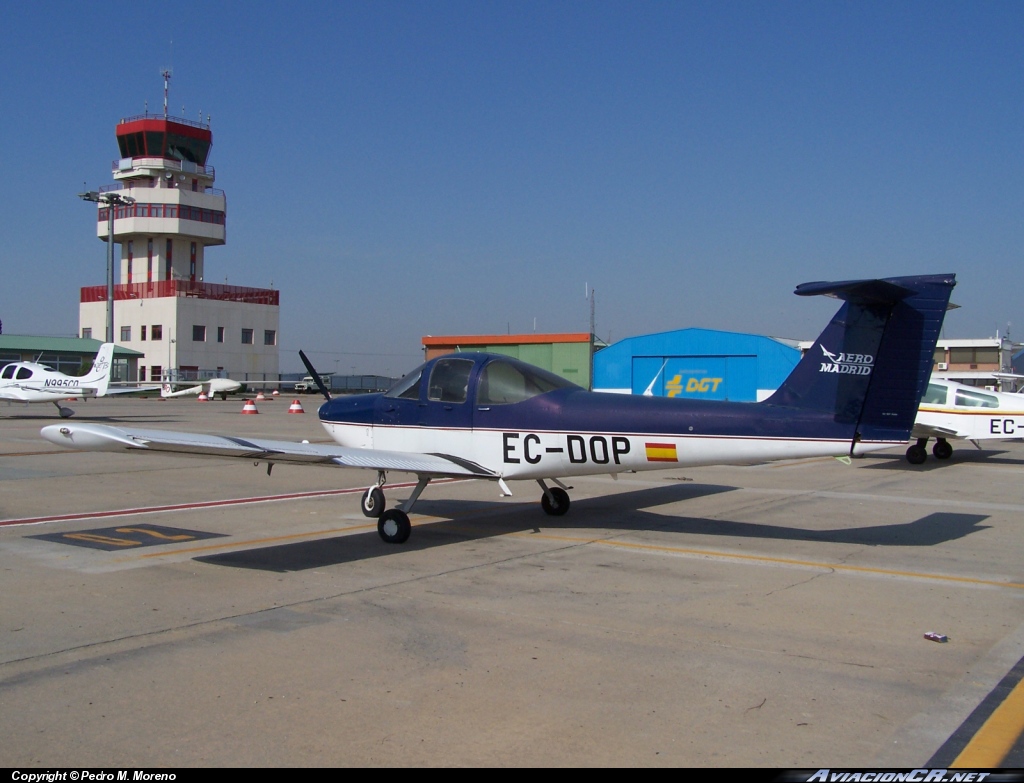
112	200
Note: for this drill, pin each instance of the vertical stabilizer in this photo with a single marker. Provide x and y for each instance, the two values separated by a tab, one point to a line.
870	367
99	376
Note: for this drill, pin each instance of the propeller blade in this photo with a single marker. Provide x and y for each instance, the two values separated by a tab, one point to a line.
315	376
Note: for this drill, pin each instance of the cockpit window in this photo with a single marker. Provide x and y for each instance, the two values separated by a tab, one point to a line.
24	373
973	399
502	383
8	371
935	395
449	380
409	387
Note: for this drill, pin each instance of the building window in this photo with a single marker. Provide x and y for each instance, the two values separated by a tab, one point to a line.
142	373
126	334
157	332
86	333
131	255
192	263
270	337
167	261
155	372
247	337
220	334
142	333
149	261
198	333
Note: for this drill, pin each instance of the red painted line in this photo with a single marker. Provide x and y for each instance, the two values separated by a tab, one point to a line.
192	506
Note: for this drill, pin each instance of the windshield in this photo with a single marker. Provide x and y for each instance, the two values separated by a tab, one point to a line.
409	387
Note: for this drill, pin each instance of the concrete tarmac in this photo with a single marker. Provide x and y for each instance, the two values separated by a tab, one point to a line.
169	611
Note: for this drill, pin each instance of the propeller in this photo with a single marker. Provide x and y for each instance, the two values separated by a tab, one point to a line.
315	376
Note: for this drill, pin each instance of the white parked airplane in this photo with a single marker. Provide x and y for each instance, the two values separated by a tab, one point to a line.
214	386
32	382
954	410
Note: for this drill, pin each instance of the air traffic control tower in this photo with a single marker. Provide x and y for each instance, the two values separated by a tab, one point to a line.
189	329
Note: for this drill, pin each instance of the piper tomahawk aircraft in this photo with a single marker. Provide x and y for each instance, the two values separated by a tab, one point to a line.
954	410
32	382
484	416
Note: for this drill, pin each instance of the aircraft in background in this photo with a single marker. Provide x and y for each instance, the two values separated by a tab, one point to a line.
213	386
32	382
491	417
951	410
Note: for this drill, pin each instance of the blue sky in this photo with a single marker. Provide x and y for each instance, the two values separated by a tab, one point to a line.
407	168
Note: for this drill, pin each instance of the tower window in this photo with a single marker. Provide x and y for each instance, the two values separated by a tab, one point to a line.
198	333
247	337
86	333
270	337
157	332
126	334
220	334
142	333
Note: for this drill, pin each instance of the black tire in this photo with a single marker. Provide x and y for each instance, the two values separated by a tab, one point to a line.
394	527
373	502
942	449
558	504
916	455
66	413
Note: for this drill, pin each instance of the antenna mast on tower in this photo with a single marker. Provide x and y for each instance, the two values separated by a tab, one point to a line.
166	73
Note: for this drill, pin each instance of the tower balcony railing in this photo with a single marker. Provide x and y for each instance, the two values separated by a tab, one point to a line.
168	117
185	288
135	184
170	164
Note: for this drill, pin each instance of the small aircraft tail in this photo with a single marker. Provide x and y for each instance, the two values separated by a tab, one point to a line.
98	378
166	391
870	367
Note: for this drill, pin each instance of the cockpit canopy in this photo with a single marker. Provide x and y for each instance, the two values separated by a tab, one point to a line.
501	381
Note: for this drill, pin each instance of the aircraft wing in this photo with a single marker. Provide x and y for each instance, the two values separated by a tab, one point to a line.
102	437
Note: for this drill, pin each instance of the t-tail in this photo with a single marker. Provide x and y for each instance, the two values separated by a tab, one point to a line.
98	377
870	367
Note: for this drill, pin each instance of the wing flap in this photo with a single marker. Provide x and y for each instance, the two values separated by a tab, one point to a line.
102	437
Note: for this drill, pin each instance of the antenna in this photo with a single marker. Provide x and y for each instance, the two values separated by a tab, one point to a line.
166	73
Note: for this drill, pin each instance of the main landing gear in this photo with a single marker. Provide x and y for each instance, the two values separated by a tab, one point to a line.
65	413
917	454
393	524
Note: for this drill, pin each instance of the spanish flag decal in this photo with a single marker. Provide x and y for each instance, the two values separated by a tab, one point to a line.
661	452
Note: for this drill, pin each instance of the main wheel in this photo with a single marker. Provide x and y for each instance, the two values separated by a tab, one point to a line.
558	504
942	449
394	526
916	455
66	413
373	502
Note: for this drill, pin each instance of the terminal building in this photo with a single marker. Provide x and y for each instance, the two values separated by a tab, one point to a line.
184	327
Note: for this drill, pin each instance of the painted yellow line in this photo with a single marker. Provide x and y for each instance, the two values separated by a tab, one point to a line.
996	737
779	560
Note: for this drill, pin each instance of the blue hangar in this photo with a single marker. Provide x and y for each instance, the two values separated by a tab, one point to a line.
698	363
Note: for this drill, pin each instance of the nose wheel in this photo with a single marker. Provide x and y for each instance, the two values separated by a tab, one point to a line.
554	501
373	502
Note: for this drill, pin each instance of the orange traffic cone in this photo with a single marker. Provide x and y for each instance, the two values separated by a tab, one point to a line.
202	397
249	407
295	407
261	396
275	392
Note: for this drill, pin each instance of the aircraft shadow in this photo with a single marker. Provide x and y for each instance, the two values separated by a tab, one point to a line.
621	511
969	455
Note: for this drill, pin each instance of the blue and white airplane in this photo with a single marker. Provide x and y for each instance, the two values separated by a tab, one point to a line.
485	416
